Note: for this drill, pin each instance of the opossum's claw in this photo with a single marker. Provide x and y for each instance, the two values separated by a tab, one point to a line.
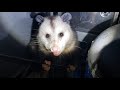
46	65
48	62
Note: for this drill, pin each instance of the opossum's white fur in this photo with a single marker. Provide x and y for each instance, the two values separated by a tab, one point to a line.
66	44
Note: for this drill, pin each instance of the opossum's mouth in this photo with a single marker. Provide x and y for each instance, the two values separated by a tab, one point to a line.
54	52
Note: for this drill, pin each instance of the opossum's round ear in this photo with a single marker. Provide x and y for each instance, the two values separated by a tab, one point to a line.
66	17
39	18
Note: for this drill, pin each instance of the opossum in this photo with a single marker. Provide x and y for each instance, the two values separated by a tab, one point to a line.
57	40
56	36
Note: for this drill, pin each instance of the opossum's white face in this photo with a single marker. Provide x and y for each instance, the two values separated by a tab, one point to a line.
54	36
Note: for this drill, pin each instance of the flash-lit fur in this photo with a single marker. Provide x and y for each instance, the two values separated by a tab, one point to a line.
54	26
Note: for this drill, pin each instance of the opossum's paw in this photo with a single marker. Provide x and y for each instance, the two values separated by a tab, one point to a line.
44	74
46	65
71	68
45	69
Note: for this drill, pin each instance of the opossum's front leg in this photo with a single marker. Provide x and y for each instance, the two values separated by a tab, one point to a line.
71	68
45	69
73	65
70	71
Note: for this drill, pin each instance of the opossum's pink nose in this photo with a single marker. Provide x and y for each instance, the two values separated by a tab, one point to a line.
55	51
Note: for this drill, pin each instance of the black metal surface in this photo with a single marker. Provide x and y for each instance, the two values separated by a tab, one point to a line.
103	56
12	67
109	61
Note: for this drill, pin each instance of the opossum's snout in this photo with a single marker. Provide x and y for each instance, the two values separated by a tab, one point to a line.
56	51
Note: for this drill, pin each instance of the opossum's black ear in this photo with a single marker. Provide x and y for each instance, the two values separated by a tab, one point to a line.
39	18
66	17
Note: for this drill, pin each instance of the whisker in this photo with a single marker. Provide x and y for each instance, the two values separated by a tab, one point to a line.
78	47
34	40
61	56
35	43
70	53
34	29
33	35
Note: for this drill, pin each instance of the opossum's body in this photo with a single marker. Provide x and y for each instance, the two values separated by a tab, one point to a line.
58	43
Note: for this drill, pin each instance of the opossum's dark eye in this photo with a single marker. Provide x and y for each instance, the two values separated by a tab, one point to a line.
47	35
61	34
